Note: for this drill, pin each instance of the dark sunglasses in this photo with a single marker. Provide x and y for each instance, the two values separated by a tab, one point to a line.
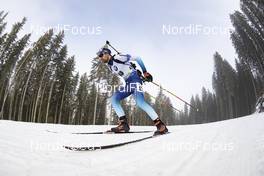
102	53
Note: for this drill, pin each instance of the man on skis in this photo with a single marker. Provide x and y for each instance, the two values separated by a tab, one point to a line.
122	66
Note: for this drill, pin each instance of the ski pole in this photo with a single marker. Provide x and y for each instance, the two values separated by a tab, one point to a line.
144	80
108	43
169	105
175	96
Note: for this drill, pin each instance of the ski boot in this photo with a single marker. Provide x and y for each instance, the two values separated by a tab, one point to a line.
161	127
122	127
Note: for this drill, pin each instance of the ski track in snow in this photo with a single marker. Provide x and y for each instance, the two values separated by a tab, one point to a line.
227	148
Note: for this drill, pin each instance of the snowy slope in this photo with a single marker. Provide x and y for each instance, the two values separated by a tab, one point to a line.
227	148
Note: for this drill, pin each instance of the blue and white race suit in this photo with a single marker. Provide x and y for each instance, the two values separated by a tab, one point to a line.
121	66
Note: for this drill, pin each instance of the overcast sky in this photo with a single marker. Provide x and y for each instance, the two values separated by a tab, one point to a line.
175	38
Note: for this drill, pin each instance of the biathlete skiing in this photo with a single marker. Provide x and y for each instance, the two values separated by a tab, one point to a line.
123	66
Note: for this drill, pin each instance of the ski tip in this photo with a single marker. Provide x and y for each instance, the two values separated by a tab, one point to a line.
80	148
68	147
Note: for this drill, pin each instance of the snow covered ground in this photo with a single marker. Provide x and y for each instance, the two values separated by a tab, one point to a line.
227	148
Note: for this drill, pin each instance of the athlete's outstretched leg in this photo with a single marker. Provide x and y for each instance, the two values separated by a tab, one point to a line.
139	96
161	127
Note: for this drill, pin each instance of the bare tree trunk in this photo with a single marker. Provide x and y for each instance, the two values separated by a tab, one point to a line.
48	104
56	112
80	120
16	106
38	93
27	114
70	117
1	91
62	101
11	105
3	104
95	107
41	102
20	111
32	109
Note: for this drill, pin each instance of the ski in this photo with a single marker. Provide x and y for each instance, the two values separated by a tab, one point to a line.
102	147
102	132
108	132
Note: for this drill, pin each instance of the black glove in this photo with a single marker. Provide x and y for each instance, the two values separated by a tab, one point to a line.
148	77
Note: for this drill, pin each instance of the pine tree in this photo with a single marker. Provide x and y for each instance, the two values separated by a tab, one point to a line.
81	101
248	35
10	50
